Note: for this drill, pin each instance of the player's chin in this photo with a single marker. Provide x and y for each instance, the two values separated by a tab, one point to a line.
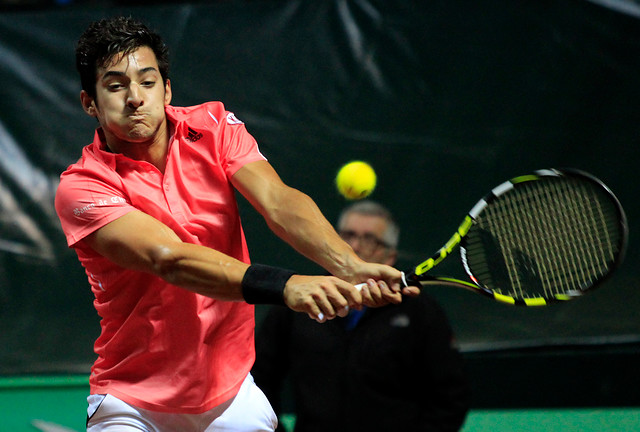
139	134
140	129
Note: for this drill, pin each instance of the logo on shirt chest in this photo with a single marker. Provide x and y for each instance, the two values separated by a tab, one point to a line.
193	135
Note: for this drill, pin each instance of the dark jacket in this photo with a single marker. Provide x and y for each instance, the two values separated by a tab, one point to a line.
396	370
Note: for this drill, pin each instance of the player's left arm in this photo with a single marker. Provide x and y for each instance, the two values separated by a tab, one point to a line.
294	217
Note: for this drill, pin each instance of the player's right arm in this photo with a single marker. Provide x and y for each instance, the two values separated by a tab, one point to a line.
137	241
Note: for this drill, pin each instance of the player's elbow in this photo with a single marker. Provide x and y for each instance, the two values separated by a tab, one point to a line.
164	262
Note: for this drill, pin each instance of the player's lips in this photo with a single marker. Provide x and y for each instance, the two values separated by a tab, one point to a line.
137	116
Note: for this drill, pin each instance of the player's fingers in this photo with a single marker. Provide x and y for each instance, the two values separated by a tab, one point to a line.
321	317
338	298
340	309
327	311
320	313
347	296
315	296
372	294
411	291
322	298
388	294
343	297
343	312
318	317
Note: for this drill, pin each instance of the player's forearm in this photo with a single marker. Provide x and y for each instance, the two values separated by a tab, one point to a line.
201	270
139	242
299	222
294	217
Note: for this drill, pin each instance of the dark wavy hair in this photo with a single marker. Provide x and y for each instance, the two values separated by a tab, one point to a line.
105	39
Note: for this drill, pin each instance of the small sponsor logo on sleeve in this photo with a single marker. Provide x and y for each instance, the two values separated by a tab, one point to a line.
232	119
100	203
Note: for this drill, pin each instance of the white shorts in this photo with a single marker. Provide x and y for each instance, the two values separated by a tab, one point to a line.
249	411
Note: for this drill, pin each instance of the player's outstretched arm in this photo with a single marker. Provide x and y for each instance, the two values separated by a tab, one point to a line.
295	218
137	241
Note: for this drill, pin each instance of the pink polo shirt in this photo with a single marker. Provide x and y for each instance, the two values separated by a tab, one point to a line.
162	347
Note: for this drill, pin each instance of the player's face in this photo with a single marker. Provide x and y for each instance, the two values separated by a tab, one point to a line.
364	233
130	98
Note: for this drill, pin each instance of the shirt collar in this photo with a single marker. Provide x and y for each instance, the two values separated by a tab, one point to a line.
100	150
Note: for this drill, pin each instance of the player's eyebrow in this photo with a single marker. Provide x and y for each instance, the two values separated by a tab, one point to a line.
142	71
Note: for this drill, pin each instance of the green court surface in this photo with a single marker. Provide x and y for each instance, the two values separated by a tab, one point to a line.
545	420
59	400
30	404
555	420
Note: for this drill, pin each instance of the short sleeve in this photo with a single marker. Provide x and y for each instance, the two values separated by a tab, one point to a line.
85	203
236	146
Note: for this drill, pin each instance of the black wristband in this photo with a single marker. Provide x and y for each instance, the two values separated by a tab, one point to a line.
264	284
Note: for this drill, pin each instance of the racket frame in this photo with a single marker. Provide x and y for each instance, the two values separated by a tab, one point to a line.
419	277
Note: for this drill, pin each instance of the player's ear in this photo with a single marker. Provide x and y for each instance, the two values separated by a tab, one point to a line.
167	92
88	103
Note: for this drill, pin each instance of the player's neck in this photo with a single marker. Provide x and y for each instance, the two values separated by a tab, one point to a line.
153	150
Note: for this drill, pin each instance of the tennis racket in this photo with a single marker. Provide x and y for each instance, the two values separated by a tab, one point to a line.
536	239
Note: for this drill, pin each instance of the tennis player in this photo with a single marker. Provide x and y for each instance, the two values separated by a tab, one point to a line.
150	210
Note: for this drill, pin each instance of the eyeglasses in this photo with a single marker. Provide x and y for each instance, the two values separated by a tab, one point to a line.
366	240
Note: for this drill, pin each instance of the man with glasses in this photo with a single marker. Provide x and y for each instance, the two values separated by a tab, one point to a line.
371	232
378	369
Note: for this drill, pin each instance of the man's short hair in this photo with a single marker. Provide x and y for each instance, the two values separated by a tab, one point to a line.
372	208
107	38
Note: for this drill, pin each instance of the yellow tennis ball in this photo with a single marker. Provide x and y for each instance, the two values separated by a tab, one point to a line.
356	180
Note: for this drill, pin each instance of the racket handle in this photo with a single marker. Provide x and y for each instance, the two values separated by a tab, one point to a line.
359	287
364	284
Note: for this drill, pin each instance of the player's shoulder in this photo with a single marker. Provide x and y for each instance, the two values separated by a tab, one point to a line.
190	110
207	113
89	164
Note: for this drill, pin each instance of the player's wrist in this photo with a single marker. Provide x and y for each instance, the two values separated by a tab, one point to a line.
347	267
263	284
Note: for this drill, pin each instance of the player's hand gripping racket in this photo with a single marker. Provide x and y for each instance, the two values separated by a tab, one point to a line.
536	239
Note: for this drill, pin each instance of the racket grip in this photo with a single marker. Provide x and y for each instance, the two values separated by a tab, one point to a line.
359	288
364	284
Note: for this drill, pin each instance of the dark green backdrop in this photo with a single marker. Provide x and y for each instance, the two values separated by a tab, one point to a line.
444	98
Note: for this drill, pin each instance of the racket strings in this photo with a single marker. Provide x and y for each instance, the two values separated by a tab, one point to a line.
593	251
567	247
599	250
544	239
